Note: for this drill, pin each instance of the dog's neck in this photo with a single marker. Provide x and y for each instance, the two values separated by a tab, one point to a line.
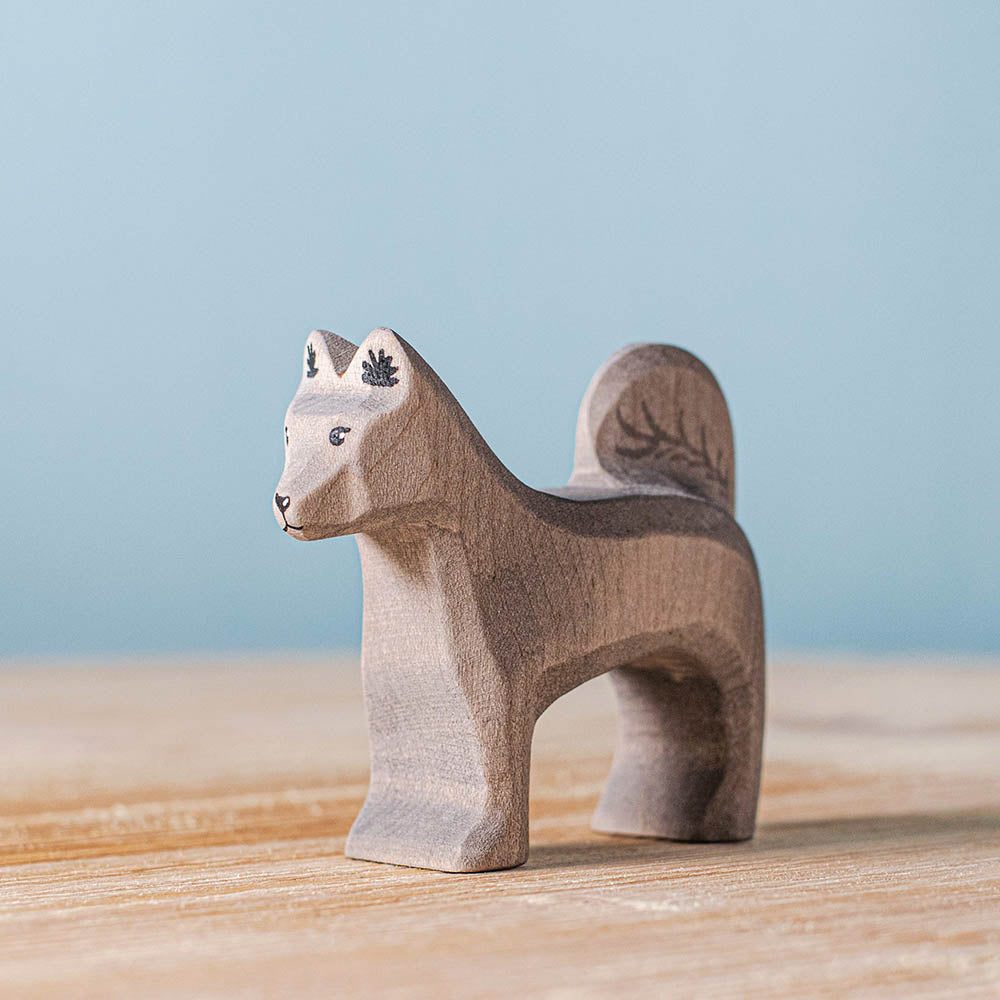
463	482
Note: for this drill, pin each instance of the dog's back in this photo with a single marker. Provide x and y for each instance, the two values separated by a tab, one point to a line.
638	559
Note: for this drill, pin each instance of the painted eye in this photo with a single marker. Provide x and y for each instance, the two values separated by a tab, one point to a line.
337	435
286	435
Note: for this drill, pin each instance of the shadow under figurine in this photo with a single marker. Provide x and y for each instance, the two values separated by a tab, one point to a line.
485	600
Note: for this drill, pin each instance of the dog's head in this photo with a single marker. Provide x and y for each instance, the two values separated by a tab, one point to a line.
353	457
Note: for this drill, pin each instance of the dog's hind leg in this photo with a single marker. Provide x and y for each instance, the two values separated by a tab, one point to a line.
687	761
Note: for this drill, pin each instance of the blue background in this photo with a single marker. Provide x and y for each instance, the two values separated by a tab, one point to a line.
804	194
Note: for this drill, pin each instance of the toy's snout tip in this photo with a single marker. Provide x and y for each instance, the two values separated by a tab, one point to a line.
283	503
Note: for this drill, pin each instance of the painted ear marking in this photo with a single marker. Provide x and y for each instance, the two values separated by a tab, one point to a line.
380	370
311	359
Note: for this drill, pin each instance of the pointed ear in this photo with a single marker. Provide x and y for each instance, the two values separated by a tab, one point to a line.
382	364
325	356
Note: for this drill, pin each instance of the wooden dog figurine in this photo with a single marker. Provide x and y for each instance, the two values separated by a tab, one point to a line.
485	600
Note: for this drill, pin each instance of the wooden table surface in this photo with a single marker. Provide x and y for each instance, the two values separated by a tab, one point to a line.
176	829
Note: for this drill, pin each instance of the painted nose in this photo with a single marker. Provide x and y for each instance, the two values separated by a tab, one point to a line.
282	502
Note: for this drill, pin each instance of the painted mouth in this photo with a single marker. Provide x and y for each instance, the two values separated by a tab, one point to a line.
283	503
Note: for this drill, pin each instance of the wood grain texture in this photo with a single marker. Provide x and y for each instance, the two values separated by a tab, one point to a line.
177	829
486	600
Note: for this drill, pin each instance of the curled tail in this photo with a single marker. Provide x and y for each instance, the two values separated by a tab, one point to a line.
654	416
